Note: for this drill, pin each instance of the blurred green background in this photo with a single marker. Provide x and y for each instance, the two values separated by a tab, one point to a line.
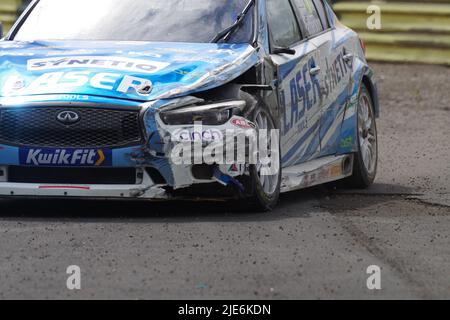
412	31
9	10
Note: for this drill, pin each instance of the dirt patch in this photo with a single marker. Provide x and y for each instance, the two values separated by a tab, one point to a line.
414	129
381	206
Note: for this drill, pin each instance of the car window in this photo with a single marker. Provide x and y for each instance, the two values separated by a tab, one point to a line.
320	7
283	24
135	20
309	16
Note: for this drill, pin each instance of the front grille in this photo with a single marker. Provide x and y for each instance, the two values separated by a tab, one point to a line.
100	176
38	126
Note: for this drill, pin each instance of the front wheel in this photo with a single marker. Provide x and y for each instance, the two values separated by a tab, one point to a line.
366	159
265	185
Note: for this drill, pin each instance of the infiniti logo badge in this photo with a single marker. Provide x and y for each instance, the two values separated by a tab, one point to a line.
68	117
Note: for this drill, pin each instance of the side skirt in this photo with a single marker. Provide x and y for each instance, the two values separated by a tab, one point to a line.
317	172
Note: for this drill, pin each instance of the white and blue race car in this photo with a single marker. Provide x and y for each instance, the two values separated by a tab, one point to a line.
96	98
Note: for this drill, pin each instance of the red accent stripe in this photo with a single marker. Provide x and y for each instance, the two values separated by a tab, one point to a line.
64	187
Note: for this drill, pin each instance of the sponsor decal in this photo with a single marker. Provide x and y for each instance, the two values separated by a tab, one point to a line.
336	171
76	79
241	123
235	170
97	62
14	83
207	135
302	95
65	157
347	142
306	92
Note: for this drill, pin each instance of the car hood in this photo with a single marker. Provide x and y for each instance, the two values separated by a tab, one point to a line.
138	71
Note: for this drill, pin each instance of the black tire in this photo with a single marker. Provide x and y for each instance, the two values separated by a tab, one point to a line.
362	176
259	200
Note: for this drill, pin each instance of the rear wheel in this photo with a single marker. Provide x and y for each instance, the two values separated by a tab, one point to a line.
366	159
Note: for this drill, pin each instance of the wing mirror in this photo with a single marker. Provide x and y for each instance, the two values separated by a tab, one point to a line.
285	50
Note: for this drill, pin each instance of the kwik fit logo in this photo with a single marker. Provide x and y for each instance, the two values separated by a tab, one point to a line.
65	157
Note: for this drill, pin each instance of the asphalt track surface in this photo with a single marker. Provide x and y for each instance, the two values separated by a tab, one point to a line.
317	244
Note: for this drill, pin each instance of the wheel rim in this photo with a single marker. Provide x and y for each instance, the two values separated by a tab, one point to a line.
268	183
367	133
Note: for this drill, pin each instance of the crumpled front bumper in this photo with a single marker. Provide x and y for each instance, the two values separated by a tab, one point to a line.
147	189
155	154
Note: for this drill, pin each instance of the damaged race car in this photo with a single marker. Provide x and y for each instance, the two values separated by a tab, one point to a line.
148	99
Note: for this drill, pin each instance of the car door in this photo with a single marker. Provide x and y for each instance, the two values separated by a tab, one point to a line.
298	84
335	69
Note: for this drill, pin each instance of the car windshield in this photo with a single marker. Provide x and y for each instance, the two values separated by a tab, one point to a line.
135	20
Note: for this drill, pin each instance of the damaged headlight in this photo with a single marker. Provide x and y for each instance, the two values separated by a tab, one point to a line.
208	115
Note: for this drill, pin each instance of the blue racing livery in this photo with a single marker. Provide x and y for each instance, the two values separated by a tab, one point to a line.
112	98
117	69
65	157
